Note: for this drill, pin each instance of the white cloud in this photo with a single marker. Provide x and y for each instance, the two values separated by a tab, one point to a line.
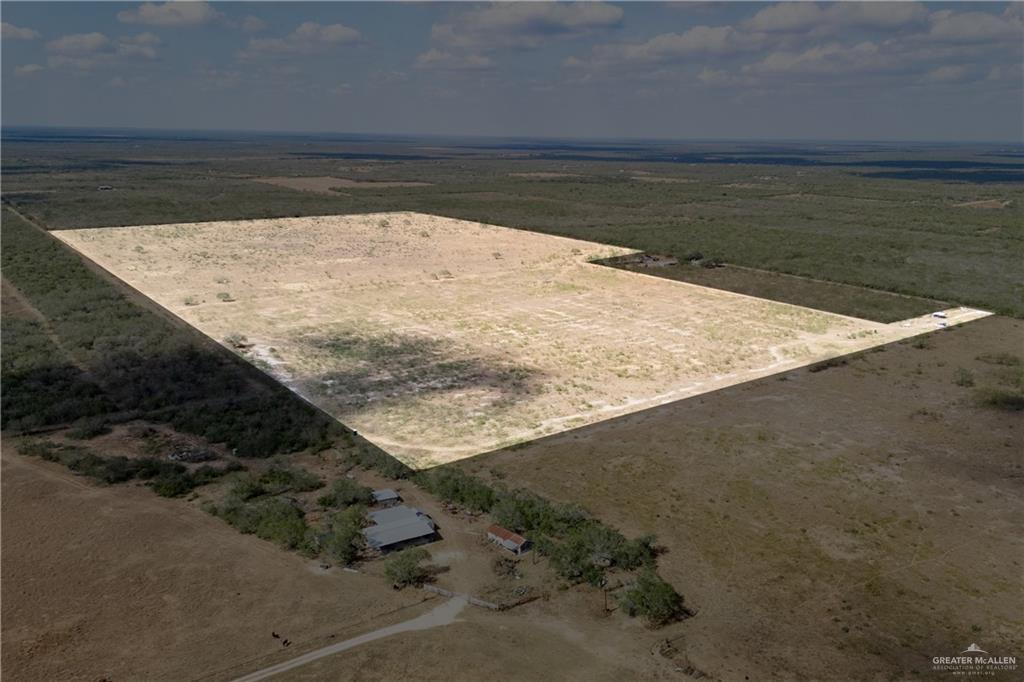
697	40
809	41
452	61
79	44
912	60
830	59
785	17
975	27
877	15
793	17
89	50
28	69
142	45
309	38
253	24
525	24
1013	73
388	76
671	47
946	74
12	32
218	79
170	14
709	76
118	82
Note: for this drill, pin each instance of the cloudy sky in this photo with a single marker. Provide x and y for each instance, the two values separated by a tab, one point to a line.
881	71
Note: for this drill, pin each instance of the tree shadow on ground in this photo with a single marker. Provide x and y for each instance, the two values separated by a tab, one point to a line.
393	366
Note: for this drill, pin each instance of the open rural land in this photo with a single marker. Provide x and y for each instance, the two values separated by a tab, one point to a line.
549	341
439	339
215	372
511	341
850	519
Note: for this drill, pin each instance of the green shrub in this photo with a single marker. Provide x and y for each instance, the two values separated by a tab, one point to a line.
652	598
119	470
247	487
454	485
89	427
345	493
370	457
1005	359
168	479
406	568
272	519
281	522
1001	398
963	377
172	482
280	477
343	538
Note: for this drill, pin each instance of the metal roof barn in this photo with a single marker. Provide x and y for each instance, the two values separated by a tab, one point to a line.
399	526
385	496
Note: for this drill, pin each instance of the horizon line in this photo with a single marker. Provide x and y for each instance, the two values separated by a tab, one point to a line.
485	136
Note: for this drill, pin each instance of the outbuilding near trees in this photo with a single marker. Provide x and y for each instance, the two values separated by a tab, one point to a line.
513	542
386	497
397	527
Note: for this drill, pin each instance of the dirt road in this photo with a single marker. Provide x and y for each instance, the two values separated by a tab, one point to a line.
445	614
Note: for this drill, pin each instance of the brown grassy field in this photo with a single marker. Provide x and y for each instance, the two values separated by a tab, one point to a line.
849	523
116	583
439	339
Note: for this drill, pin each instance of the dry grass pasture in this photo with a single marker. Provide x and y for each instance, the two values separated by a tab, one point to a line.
844	524
117	583
439	339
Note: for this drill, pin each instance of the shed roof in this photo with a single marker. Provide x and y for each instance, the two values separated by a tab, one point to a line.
394	514
397	524
384	494
506	534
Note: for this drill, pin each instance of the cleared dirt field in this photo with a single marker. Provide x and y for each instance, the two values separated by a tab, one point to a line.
439	339
845	524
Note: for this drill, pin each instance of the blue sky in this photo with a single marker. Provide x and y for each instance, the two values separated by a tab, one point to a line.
880	71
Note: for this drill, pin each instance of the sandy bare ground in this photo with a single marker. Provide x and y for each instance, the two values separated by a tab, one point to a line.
328	185
439	339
